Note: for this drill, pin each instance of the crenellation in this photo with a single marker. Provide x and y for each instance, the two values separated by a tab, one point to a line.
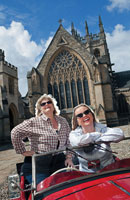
10	65
84	39
2	56
8	69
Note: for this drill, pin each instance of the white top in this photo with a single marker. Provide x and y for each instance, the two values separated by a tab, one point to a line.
102	134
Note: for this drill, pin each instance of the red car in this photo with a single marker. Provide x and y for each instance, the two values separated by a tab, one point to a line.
110	183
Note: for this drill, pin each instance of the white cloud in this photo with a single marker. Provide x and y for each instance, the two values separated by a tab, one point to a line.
21	51
119	48
119	4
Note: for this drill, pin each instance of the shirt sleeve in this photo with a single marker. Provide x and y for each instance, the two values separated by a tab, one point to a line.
77	139
20	132
111	135
67	133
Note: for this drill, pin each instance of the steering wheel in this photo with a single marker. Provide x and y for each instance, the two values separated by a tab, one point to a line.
65	169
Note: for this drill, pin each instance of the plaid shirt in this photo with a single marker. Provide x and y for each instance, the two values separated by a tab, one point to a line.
43	137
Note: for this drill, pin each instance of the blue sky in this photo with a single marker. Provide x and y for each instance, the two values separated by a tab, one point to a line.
27	27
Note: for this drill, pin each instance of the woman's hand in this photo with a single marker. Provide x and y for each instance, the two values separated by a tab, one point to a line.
28	153
69	163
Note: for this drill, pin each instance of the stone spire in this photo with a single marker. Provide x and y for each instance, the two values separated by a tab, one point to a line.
72	29
101	25
86	28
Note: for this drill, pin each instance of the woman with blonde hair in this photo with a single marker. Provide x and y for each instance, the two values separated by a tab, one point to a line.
38	110
47	131
87	130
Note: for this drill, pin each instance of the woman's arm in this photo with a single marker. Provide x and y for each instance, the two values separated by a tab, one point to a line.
77	139
111	135
20	132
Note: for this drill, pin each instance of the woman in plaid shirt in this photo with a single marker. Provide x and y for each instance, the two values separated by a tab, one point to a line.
46	132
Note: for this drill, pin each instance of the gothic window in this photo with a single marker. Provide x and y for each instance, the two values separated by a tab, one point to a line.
122	105
64	59
56	94
65	80
68	96
11	85
80	91
97	53
49	88
62	96
74	94
86	91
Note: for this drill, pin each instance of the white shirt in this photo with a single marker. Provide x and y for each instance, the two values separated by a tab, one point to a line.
102	134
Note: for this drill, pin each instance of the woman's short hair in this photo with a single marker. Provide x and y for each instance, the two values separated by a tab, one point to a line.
74	118
49	97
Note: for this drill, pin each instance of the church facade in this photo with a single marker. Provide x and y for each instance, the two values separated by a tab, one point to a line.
74	70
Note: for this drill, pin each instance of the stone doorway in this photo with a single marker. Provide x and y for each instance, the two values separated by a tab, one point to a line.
13	116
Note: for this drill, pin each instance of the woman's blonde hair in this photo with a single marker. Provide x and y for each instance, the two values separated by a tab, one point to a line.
38	104
74	118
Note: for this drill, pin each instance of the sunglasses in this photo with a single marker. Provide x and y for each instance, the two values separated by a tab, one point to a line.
48	102
86	112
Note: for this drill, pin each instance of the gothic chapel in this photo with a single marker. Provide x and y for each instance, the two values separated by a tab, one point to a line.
75	70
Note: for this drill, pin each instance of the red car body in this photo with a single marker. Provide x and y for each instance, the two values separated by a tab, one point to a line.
108	186
110	183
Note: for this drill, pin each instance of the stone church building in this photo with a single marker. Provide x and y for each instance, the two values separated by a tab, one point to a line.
74	70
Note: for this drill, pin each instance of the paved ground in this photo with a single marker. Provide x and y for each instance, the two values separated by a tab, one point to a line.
8	158
123	148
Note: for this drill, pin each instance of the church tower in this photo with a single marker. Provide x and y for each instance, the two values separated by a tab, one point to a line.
9	94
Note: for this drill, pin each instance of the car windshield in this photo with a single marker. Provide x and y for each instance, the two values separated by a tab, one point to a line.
59	177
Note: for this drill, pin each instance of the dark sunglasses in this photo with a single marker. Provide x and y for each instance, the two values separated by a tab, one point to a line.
48	102
86	112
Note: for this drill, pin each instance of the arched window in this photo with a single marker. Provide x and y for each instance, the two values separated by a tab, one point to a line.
86	91
64	82
97	53
68	96
56	94
80	91
74	94
62	96
50	89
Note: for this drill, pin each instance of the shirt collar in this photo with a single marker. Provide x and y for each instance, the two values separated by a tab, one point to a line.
99	127
44	117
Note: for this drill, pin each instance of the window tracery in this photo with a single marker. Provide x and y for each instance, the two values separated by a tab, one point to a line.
68	96
67	80
62	95
74	96
80	92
